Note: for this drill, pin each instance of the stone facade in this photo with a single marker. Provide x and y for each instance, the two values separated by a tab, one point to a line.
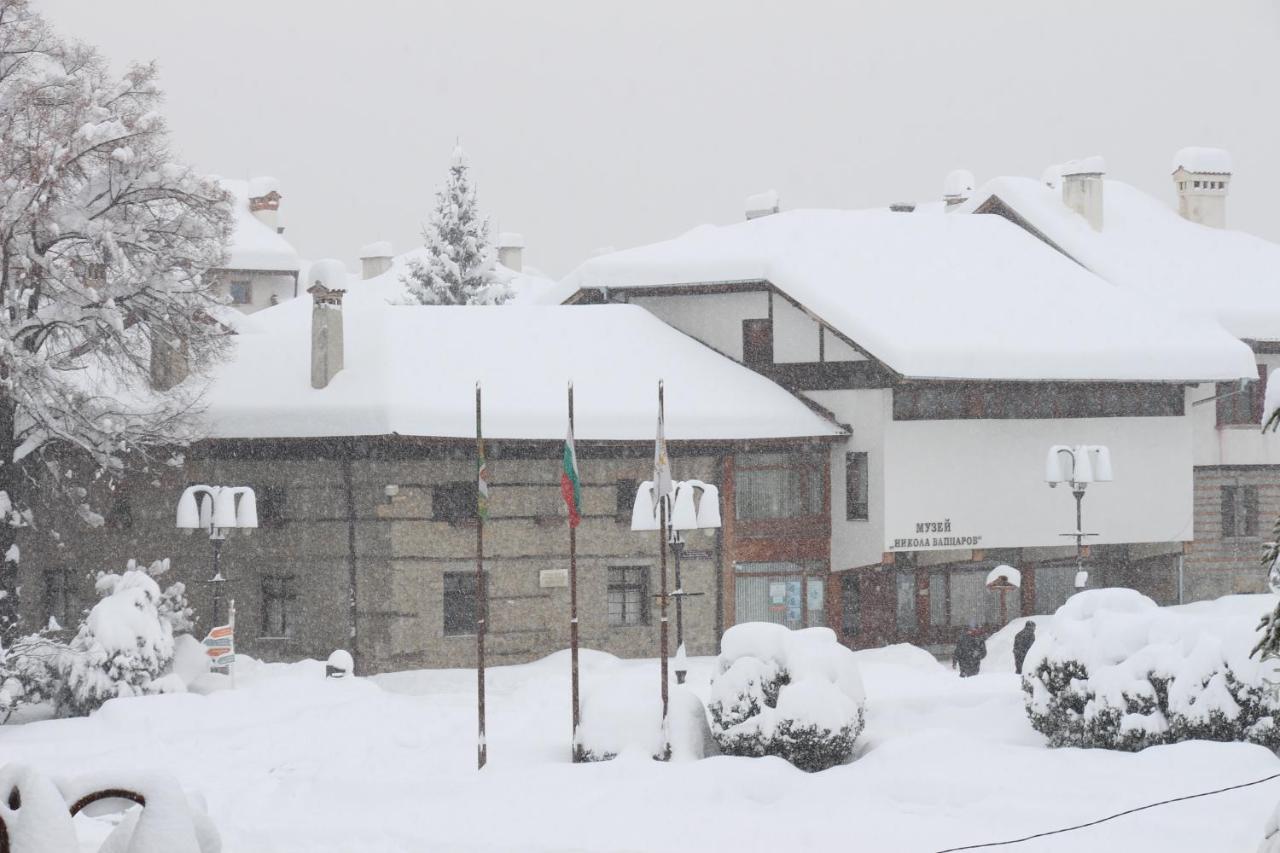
327	507
1218	562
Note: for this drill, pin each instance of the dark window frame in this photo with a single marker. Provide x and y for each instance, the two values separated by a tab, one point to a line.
455	502
1239	507
857	501
620	581
240	285
273	503
1242	407
757	342
460	603
280	591
811	467
850	604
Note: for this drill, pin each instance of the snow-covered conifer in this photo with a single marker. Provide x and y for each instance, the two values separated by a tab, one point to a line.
126	643
105	240
458	269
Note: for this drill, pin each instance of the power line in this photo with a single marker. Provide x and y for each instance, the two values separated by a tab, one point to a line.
1108	817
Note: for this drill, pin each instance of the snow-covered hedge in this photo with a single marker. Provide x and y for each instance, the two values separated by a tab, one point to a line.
1112	669
794	694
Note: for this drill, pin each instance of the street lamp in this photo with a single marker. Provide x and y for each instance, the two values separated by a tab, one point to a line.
694	505
217	509
1078	466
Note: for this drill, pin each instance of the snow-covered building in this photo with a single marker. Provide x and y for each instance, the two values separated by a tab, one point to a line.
958	349
262	267
360	444
1188	263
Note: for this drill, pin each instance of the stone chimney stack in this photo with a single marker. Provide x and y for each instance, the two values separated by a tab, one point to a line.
1082	188
957	187
264	202
762	204
511	251
1202	177
375	259
326	320
170	363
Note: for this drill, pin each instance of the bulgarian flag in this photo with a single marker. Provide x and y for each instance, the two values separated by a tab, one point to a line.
570	485
482	482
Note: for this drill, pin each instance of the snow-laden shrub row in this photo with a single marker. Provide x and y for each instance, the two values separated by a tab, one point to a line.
622	712
124	647
794	694
1112	669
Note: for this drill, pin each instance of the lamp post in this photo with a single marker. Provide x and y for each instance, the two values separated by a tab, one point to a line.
695	505
1077	467
217	509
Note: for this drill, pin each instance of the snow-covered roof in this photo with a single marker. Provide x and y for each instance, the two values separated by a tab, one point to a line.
1198	159
411	370
510	240
378	249
254	244
761	204
262	186
1094	165
947	296
1148	249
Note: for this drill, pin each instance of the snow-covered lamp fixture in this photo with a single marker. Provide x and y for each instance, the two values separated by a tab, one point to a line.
217	509
1077	467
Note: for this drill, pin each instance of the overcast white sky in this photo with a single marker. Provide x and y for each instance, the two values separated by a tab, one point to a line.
594	123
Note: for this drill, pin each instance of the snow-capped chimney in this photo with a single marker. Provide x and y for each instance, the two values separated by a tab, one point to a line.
169	361
326	320
1082	188
511	251
375	259
1201	177
762	204
957	186
264	202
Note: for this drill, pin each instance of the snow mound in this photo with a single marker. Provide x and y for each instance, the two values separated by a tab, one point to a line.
1094	165
795	694
622	713
377	249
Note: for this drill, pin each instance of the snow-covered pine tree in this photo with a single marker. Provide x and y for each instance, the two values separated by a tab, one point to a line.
458	269
104	244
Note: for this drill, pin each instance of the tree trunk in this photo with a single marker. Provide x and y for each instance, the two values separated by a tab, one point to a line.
10	482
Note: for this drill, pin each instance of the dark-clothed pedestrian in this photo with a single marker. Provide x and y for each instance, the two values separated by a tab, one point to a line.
1022	644
970	650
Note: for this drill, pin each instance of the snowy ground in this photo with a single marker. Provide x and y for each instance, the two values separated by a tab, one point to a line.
290	761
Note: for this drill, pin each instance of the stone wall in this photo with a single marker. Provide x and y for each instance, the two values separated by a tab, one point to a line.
401	552
1219	565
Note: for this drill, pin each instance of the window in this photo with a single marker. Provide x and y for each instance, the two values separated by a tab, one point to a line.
628	595
454	502
460	602
757	342
850	604
241	292
778	485
785	593
271	506
1242	405
1239	511
855	484
278	595
57	599
626	498
906	603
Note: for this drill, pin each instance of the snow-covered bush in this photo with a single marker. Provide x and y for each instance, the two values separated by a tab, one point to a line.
26	676
794	694
126	643
1111	669
622	711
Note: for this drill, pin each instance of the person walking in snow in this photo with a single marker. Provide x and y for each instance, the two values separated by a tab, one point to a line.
970	650
1022	644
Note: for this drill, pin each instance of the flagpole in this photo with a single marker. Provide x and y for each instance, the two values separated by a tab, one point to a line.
662	625
482	598
231	667
573	608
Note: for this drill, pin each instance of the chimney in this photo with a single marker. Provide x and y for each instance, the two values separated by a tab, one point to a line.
762	204
326	320
169	360
957	187
511	251
375	259
1082	188
1201	177
264	202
